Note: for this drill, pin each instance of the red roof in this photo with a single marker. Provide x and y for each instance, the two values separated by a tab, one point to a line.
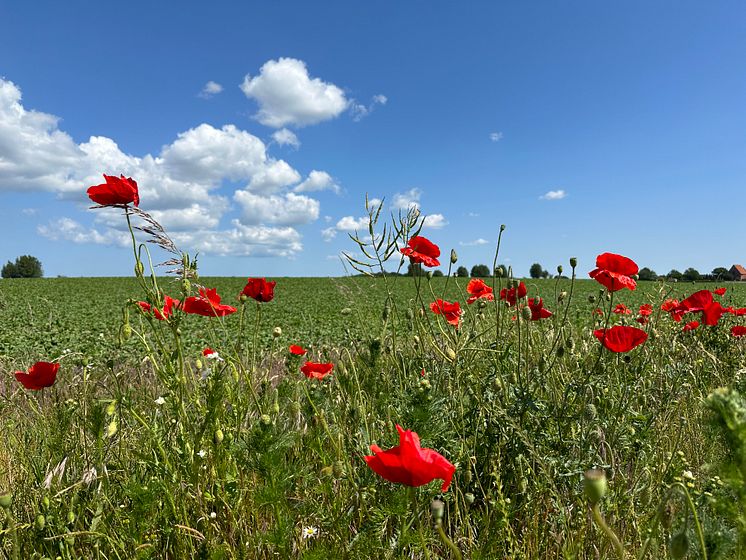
741	270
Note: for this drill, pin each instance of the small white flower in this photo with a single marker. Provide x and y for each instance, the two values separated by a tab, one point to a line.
202	453
688	474
310	532
160	400
213	515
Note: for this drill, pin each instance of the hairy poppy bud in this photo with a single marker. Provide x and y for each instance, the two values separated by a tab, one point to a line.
139	268
40	522
573	262
186	286
526	313
451	353
454	256
217	437
594	485
277	332
679	545
437	507
265	420
6	499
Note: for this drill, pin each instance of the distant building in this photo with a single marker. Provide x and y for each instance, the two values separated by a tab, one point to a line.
737	272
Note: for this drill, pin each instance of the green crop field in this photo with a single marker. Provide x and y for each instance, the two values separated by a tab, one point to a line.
145	448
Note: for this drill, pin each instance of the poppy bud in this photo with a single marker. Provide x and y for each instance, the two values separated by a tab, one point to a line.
276	407
561	297
70	517
243	298
6	499
430	274
679	545
45	502
217	437
40	522
111	429
186	286
502	227
469	497
111	408
437	508
139	268
526	312
573	261
481	303
594	485
265	420
198	363
451	353
559	269
454	256
277	332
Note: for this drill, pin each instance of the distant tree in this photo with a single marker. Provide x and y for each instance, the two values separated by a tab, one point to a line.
437	272
674	275
415	269
647	274
691	275
480	271
25	266
462	272
721	273
536	271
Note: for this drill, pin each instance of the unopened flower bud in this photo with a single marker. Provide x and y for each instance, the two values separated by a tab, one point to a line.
346	311
573	261
111	429
139	268
469	497
502	227
559	269
454	256
198	363
437	507
591	299
243	298
430	274
679	545
594	485
451	353
217	437
40	522
265	420
526	313
70	517
6	499
277	332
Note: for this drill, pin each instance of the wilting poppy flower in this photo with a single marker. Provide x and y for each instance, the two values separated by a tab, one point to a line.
478	290
314	370
259	289
410	464
690	326
720	291
421	250
642	320
160	314
622	309
451	311
614	271
646	310
711	313
536	305
669	305
40	375
738	330
512	295
598	311
211	354
297	350
116	190
621	338
207	304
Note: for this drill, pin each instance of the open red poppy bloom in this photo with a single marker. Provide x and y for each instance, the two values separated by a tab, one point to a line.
711	313
512	295
207	304
410	464
296	350
622	309
160	314
690	326
421	250
669	305
40	375
646	310
614	271
720	291
451	311
314	370
478	290
738	331
116	190
621	338
536	305
259	289
739	312
642	320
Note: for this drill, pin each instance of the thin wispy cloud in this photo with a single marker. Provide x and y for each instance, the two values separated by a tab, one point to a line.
496	136
479	241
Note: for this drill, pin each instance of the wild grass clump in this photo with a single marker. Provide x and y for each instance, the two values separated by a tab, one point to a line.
561	448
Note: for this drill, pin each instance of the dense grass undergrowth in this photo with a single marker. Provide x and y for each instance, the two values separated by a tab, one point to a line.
146	448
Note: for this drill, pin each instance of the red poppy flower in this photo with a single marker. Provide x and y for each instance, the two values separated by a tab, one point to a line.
116	190
297	350
421	250
690	326
720	291
40	375
669	305
646	310
259	289
478	290
622	309
739	312
410	464
512	295
160	314
738	330
711	313
621	338
614	271
642	320
313	370
536	305
450	311
207	304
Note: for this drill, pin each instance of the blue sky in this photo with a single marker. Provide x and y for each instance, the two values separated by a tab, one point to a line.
585	127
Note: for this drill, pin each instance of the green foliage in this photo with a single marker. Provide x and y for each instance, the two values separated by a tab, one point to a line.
647	274
462	272
691	275
720	274
25	266
674	275
480	271
536	271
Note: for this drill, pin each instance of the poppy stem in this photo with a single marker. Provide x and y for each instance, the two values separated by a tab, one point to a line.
599	519
448	542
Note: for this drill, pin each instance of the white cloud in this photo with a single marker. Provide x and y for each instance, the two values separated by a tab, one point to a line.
349	223
285	137
318	181
69	230
287	95
360	111
288	209
211	88
407	200
328	234
29	211
380	99
479	241
244	241
496	136
434	221
276	176
553	195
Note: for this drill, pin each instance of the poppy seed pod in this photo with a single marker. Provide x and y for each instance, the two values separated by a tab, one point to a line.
277	332
594	485
502	227
573	262
469	497
559	269
454	256
437	507
430	274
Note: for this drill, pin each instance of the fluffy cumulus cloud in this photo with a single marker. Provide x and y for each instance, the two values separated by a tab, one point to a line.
553	195
434	221
285	137
180	186
406	200
318	181
210	88
288	95
350	223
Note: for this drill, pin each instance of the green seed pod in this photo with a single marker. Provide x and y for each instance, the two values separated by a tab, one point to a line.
40	522
243	298
437	507
6	499
451	353
454	256
277	332
469	497
559	269
573	261
217	437
678	545
502	227
70	517
594	485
